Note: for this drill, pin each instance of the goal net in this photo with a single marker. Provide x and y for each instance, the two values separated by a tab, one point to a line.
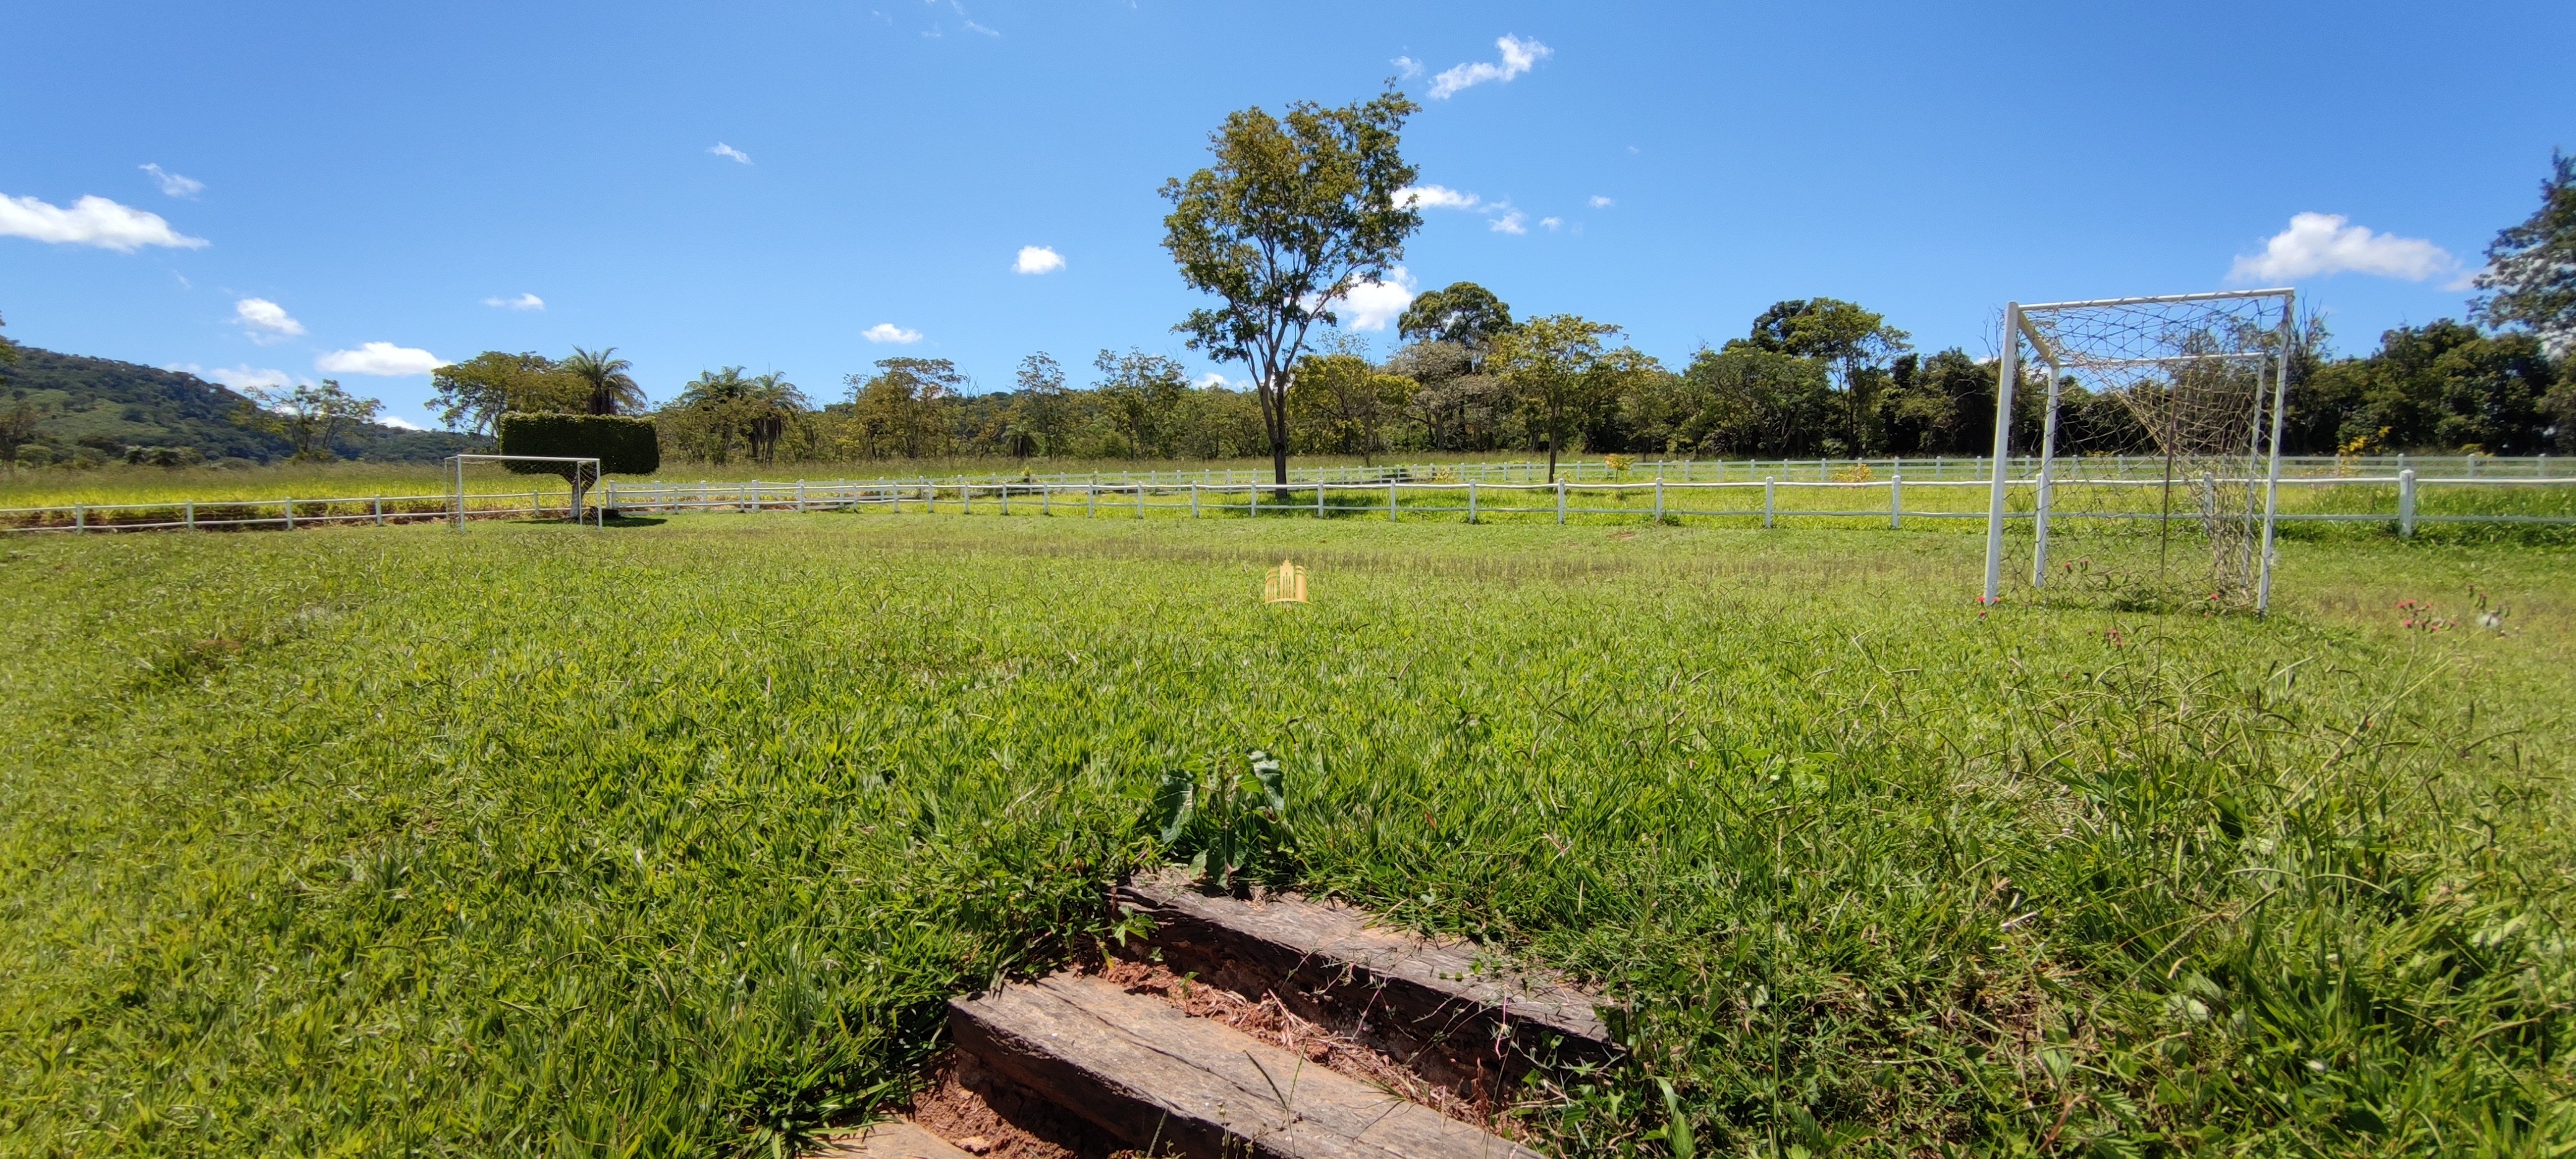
581	473
2157	415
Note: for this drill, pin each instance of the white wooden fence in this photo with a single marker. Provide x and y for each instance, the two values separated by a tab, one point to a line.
1696	490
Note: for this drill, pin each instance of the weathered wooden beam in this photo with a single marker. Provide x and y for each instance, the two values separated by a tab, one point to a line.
1161	1080
893	1139
1453	1012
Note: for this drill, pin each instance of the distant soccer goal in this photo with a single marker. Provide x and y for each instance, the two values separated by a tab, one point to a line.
2161	409
582	473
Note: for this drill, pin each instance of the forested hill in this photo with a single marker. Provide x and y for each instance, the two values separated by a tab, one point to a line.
98	408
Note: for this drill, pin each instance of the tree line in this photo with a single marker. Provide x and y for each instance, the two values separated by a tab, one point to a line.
1297	211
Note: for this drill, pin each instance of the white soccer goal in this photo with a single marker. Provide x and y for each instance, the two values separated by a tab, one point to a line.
584	473
2181	400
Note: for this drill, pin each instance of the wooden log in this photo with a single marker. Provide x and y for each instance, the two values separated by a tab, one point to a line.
1453	1012
893	1139
1171	1084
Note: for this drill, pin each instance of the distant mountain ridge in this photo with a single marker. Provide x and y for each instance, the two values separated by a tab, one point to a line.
102	407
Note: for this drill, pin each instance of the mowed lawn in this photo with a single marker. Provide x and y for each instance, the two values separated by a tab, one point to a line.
671	839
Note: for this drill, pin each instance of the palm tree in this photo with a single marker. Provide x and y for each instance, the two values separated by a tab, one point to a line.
769	402
757	408
611	388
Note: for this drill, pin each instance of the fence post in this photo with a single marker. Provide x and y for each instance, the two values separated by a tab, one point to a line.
1252	502
379	502
1194	499
1091	496
80	518
2473	465
1659	497
1770	489
192	515
1140	501
1560	502
1471	501
290	513
2406	504
800	496
1896	498
965	496
1390	500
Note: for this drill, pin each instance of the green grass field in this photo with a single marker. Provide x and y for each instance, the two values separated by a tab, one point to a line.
669	839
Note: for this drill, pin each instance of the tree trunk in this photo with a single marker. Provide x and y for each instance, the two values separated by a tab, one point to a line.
1274	415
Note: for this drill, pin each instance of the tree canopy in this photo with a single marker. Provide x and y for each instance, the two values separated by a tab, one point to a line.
472	395
311	417
2530	279
1292	215
1464	313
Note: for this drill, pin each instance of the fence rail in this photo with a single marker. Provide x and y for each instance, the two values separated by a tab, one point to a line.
1599	470
1669	500
1395	492
280	514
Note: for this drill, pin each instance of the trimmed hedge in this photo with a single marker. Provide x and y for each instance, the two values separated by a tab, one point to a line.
623	445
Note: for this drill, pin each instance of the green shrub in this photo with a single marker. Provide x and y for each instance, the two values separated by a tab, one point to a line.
623	445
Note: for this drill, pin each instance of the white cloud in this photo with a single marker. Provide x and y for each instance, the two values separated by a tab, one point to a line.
382	359
522	302
1552	223
889	332
727	151
92	220
1600	202
1519	56
2328	243
1213	379
266	320
1371	305
1510	223
400	423
1407	67
174	184
1038	259
971	26
1435	197
237	377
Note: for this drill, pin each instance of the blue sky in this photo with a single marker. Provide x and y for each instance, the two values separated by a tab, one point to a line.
353	190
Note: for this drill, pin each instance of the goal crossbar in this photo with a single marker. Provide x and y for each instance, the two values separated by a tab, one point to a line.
580	484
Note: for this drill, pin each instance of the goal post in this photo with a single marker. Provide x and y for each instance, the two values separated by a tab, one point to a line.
2188	387
581	472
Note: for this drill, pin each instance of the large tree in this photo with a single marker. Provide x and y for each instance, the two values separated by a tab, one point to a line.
1344	404
1040	413
1143	394
1854	344
311	417
473	394
1562	374
2530	279
719	405
1464	313
1294	213
902	408
611	390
